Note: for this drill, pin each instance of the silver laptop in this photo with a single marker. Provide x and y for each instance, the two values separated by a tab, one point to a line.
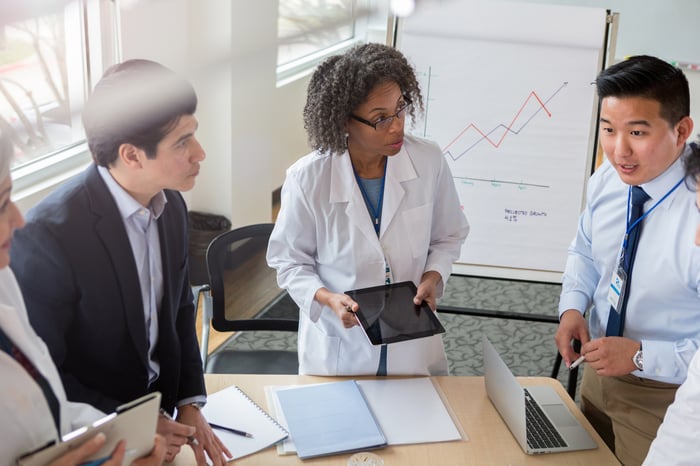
537	417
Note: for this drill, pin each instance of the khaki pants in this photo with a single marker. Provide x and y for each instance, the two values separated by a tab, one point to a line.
626	411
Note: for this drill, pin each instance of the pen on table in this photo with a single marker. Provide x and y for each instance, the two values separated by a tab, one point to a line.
231	429
577	363
190	439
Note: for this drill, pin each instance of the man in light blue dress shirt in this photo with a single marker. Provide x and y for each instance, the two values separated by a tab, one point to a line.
631	378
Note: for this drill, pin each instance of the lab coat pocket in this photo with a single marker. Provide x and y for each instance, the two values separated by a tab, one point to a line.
319	351
416	223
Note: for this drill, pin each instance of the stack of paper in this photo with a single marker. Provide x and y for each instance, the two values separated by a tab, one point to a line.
407	411
410	410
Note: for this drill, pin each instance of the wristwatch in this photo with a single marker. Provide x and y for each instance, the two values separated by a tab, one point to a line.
195	404
638	358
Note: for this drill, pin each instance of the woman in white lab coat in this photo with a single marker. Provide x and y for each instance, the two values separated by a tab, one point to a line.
676	440
371	205
26	421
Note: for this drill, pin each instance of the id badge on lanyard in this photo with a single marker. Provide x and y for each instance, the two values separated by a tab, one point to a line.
616	292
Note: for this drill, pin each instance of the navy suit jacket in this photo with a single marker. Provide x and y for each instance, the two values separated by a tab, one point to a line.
75	266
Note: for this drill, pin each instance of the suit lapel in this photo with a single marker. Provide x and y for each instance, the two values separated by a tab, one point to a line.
110	229
166	230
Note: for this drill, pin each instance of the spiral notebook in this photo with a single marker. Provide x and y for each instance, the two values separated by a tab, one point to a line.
232	408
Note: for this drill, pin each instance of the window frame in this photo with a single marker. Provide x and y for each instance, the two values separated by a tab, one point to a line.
92	44
301	67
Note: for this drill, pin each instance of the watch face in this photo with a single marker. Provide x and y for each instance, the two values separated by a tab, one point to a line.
638	360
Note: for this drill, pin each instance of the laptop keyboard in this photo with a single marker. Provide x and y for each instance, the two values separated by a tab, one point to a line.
541	433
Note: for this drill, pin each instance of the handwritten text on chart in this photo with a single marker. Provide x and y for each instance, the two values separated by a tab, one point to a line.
513	215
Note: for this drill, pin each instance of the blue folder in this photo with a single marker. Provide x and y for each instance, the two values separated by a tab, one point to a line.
329	418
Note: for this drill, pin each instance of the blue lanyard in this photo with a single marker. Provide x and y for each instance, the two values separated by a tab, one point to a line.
376	213
629	196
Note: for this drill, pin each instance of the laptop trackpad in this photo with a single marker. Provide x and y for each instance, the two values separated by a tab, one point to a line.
560	415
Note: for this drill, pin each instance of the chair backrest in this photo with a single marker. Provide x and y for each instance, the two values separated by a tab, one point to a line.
244	290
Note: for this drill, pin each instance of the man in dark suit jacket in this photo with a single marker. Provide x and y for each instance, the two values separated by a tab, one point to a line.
103	260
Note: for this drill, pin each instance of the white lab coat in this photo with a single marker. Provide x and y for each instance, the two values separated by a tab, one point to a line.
324	237
25	419
676	440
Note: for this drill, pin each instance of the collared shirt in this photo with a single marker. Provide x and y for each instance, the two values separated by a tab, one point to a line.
663	310
142	229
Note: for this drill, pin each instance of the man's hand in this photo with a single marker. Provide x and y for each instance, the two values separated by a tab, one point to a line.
572	326
206	439
611	355
175	435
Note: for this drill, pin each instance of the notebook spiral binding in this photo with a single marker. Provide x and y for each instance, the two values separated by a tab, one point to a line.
274	421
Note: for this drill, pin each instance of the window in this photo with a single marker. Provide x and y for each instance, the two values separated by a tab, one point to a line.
310	30
305	27
47	64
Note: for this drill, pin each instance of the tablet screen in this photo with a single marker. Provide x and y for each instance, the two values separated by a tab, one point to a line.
387	313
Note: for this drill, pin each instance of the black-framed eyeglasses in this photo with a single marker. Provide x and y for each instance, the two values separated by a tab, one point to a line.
382	124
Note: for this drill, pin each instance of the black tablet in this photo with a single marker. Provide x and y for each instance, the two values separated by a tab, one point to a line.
387	313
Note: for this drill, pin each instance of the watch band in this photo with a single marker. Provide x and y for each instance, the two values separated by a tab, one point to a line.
195	404
638	358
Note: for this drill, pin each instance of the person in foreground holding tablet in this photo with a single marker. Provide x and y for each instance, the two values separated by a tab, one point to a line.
369	206
33	406
103	260
676	440
639	346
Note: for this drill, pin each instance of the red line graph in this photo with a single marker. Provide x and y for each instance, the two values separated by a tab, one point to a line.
507	129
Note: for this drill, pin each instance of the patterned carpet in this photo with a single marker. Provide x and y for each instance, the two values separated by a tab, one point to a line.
527	347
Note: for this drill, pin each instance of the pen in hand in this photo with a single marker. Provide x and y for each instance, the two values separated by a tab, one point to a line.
190	439
577	363
230	429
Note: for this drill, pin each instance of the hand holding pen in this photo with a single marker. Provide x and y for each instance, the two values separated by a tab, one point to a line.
190	438
578	362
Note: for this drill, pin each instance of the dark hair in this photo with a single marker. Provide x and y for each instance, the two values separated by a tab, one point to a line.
651	78
343	82
136	102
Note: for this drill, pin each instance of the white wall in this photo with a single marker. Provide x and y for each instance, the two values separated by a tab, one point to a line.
663	28
251	130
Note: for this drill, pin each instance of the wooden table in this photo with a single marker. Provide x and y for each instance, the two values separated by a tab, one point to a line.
489	440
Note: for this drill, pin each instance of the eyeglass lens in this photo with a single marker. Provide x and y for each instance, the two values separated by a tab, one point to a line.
384	123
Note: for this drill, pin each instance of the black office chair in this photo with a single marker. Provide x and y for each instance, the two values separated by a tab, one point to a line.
243	296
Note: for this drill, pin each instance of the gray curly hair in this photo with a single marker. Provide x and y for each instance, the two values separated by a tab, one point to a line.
343	82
